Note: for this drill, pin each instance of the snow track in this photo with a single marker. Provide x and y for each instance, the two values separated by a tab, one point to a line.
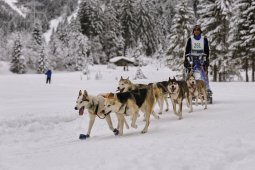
39	127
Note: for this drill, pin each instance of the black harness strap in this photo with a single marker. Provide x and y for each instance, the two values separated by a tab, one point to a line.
96	110
125	110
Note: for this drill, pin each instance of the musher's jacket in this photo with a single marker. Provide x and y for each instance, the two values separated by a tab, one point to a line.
196	46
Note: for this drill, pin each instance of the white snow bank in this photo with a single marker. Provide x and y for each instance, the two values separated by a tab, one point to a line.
5	68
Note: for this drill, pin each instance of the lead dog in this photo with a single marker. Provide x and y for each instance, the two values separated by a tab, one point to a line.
94	106
197	89
178	90
129	103
159	90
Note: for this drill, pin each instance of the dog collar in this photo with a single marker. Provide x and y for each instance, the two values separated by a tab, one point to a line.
106	114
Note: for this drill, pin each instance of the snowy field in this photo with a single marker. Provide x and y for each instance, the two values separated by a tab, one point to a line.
39	127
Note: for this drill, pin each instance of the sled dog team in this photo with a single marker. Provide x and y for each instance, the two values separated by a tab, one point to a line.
133	98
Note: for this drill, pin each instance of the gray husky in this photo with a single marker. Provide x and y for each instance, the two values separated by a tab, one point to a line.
178	90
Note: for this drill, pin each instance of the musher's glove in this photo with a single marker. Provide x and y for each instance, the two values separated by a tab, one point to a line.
186	64
206	63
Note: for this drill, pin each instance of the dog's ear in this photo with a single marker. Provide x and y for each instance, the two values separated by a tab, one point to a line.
174	79
111	95
104	95
121	78
80	93
85	93
169	79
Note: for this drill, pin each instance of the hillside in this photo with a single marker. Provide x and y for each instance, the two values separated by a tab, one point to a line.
20	14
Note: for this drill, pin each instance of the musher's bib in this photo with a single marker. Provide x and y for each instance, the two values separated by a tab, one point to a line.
197	46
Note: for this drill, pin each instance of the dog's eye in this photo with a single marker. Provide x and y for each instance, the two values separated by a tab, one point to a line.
108	105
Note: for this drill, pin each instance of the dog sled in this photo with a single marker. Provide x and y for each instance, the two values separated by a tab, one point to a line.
197	68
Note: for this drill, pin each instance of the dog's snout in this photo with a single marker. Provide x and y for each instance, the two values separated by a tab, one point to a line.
75	108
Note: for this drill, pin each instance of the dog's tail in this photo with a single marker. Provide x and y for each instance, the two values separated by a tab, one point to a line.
155	90
153	94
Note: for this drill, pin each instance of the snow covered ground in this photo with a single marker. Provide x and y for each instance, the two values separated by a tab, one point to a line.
39	127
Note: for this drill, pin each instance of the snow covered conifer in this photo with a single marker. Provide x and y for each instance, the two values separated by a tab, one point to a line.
42	62
128	22
18	64
37	34
111	37
214	21
146	30
182	24
139	74
90	16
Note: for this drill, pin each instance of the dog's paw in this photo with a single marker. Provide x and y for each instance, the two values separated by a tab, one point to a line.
116	132
160	113
166	110
134	126
83	137
144	132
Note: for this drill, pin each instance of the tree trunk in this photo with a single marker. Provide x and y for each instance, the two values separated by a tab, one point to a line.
253	68
246	69
224	74
214	73
220	74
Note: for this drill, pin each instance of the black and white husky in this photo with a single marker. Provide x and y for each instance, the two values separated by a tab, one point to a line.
159	90
130	103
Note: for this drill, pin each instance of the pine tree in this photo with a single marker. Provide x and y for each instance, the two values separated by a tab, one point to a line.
129	23
3	45
251	38
77	46
111	35
18	61
96	51
147	27
251	23
38	46
236	51
139	74
37	34
214	20
183	21
90	16
42	62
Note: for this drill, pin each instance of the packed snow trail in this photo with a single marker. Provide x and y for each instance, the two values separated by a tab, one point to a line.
39	127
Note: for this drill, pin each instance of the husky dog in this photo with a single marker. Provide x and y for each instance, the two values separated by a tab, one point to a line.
95	106
161	94
197	89
178	90
129	103
159	90
126	85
